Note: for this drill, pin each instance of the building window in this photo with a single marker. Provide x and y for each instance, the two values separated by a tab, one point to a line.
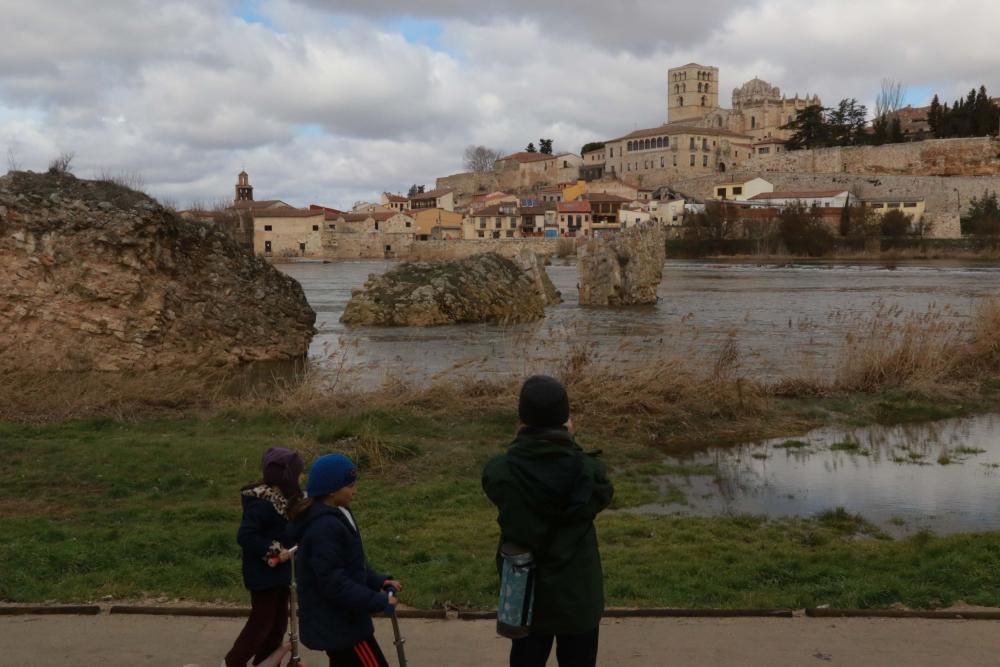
910	205
692	159
763	150
408	225
738	190
692	143
267	228
721	193
894	205
662	160
510	234
482	235
376	225
332	226
267	247
675	160
302	247
315	228
704	160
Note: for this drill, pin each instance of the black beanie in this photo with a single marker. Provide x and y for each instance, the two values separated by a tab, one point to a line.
543	402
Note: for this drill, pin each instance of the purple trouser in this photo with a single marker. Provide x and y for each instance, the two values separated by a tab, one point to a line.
264	629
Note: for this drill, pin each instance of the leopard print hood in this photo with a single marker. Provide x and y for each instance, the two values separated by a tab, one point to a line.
272	494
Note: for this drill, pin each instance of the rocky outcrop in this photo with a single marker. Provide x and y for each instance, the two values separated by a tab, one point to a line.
482	288
534	266
100	277
625	270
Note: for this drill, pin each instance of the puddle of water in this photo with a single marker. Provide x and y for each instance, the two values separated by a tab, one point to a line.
943	476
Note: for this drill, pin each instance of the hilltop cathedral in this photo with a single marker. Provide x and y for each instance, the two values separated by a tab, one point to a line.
759	109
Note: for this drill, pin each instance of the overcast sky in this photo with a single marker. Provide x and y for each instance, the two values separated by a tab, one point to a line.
330	101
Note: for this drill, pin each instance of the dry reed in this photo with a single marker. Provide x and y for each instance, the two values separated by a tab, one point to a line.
669	394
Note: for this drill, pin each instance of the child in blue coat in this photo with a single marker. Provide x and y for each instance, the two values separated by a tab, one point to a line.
263	538
338	592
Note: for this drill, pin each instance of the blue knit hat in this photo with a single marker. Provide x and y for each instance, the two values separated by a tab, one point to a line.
330	473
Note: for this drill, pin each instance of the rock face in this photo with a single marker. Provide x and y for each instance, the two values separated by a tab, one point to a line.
99	277
625	270
482	288
534	266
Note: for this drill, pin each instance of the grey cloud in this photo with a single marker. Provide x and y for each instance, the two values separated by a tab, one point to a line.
637	26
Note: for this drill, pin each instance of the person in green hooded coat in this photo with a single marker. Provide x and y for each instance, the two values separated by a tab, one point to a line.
548	492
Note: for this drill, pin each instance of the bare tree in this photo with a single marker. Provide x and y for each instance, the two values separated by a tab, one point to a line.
890	98
61	165
13	163
480	159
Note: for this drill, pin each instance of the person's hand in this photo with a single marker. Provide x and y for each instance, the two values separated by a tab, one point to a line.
393	601
398	585
282	556
569	426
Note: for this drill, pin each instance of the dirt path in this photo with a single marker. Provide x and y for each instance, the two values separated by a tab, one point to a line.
127	641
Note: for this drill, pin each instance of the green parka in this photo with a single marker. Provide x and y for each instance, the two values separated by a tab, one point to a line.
548	491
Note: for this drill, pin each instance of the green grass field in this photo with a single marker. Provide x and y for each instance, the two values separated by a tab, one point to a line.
150	508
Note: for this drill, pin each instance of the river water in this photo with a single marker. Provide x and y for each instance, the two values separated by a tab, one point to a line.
788	320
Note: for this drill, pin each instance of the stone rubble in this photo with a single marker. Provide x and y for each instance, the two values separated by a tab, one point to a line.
100	277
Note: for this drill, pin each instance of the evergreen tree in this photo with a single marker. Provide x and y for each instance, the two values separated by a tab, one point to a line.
896	131
531	148
880	131
811	130
934	116
545	146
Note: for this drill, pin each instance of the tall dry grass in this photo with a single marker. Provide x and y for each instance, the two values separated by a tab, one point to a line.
920	351
670	394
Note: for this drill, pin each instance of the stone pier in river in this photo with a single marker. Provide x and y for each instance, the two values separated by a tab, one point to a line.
624	270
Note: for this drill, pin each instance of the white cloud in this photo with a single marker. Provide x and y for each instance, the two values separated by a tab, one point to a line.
187	93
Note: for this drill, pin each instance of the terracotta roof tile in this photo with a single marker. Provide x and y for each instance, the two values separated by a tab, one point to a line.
286	212
673	129
524	156
432	194
573	207
604	197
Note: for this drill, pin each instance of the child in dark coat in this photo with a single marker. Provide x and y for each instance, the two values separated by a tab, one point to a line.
266	571
548	491
338	592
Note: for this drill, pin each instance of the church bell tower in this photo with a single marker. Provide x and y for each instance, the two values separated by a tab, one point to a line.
244	191
692	92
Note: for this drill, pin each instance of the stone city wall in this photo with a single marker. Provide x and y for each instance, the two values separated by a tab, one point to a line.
978	156
366	245
435	251
467	185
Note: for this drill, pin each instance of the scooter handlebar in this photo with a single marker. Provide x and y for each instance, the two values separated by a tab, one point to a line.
274	561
